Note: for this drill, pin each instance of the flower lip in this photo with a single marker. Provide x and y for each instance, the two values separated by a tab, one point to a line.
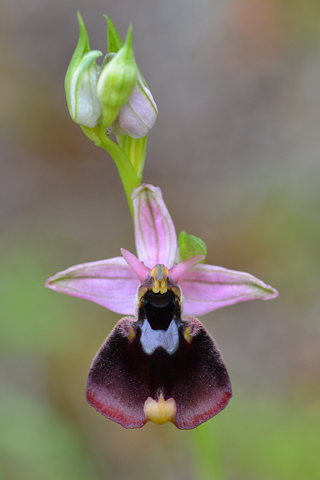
123	377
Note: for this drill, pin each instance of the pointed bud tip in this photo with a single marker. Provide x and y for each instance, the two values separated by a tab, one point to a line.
109	21
114	40
80	20
128	43
130	30
82	27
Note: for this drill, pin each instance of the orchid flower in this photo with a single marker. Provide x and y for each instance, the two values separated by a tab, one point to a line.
159	364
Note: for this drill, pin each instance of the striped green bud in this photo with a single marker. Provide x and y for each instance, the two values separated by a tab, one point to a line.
117	81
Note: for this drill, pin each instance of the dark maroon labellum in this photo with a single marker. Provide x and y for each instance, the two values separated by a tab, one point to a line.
160	367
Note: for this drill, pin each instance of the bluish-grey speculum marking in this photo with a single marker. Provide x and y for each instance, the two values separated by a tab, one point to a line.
152	339
159	318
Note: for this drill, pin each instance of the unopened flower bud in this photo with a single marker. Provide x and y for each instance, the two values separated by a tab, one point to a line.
81	81
117	81
85	106
138	115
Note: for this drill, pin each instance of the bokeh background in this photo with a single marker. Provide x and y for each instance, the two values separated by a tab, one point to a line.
236	151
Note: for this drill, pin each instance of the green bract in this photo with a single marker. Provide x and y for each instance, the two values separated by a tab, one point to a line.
189	245
117	81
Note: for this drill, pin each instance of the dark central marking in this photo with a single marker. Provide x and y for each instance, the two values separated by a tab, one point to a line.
159	309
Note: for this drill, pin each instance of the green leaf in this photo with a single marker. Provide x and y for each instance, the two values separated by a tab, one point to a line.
190	245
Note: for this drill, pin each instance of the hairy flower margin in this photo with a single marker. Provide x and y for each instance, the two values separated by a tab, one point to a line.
161	364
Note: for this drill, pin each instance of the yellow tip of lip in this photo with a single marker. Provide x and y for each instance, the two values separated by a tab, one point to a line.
161	411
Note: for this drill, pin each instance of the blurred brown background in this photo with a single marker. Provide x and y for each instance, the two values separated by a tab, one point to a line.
236	152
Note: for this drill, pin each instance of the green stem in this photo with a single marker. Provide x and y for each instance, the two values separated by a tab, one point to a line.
122	156
128	176
138	153
135	149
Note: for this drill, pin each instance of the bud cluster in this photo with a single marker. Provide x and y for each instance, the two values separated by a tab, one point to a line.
113	95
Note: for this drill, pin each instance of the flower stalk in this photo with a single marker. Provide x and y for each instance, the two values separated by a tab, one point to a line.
128	176
159	363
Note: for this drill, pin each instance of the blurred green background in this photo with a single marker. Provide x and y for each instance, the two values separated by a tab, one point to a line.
236	152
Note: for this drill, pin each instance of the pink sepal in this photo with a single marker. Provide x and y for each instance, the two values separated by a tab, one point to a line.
110	283
206	288
156	239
